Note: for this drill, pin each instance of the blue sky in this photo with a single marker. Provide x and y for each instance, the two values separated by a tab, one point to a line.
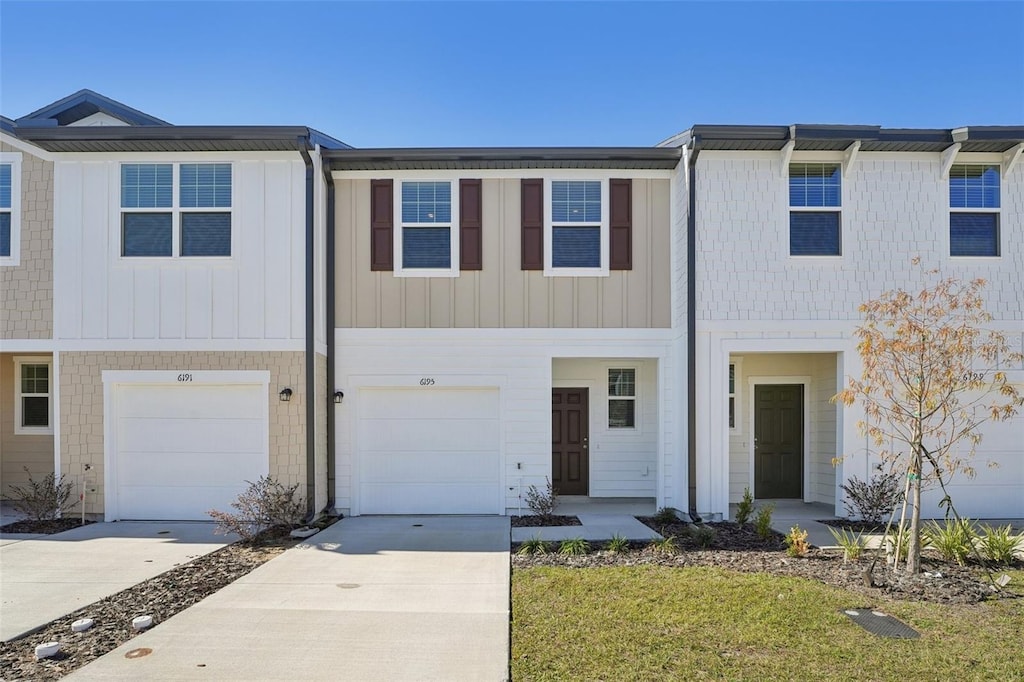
524	73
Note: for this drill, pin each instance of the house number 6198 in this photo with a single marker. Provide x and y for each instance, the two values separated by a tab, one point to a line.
426	381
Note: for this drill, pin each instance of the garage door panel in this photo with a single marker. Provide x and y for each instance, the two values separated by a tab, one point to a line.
384	435
427	403
429	451
199	435
210	468
166	502
191	401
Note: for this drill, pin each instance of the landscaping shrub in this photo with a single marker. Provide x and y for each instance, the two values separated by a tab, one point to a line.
265	504
999	544
704	536
871	501
796	542
745	507
617	544
666	516
542	503
666	545
43	500
763	521
533	546
953	540
853	544
574	547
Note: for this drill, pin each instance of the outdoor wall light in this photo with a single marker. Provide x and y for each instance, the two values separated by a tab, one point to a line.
285	395
338	397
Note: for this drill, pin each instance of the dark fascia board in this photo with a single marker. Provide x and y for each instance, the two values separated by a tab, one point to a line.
776	136
101	103
1014	134
342	157
126	135
7	125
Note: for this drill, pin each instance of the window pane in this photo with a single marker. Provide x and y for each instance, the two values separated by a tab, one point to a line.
622	382
973	186
621	414
35	379
205	234
815	184
427	202
5	185
576	201
576	247
732	412
5	234
732	379
35	411
146	185
814	234
205	185
426	247
973	234
146	234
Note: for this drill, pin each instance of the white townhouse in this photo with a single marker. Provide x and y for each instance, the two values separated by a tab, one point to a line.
163	336
788	229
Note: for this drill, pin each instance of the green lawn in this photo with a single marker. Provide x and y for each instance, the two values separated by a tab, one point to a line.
659	623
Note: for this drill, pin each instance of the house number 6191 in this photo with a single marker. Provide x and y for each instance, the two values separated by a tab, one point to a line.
184	377
426	381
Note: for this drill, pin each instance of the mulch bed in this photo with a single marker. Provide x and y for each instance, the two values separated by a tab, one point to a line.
160	597
532	521
44	527
739	548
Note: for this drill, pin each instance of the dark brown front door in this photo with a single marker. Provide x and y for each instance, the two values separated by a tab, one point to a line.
778	441
570	441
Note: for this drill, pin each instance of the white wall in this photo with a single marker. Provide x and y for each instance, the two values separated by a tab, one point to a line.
257	295
521	364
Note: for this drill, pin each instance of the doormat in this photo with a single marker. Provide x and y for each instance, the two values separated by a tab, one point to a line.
881	624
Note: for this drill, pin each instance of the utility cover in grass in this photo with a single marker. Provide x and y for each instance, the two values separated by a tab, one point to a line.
881	624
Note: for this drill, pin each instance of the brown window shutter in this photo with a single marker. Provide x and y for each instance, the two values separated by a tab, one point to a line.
382	225
621	224
532	192
471	248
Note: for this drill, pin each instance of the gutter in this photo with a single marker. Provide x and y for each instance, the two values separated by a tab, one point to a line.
691	328
329	323
303	145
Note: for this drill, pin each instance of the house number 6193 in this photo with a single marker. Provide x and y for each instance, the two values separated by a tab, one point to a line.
426	381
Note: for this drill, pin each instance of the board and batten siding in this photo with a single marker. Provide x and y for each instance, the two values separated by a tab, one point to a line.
256	294
501	294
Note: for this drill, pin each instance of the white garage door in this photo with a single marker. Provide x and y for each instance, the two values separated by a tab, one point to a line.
183	450
429	451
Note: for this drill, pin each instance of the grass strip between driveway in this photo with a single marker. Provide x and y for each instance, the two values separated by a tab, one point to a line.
665	623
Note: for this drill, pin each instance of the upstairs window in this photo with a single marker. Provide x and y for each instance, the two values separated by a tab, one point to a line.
425	244
33	408
974	210
576	220
815	200
10	208
175	209
622	398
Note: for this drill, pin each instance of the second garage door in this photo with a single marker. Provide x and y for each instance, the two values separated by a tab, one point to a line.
183	450
429	451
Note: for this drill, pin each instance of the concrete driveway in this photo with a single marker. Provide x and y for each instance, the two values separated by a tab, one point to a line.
43	577
371	598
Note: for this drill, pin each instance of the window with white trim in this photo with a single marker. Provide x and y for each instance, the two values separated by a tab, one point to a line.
175	210
10	208
576	238
974	210
426	243
622	398
815	201
735	416
33	406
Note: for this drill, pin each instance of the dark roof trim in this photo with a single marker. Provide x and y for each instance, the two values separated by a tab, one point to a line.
502	157
171	138
85	103
7	125
838	137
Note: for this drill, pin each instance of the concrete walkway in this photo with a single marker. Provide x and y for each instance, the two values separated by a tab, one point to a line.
44	577
595	528
371	598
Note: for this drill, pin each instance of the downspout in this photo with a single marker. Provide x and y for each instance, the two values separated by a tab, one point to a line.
330	321
303	145
691	328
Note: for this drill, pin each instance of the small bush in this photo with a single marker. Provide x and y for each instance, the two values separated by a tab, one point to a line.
871	501
264	504
533	546
43	500
666	545
617	544
704	536
953	540
542	503
763	522
796	542
853	544
745	507
666	516
999	544
574	547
